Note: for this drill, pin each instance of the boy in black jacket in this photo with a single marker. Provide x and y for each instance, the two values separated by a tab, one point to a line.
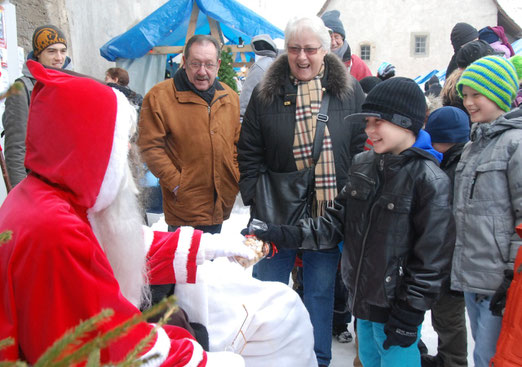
394	215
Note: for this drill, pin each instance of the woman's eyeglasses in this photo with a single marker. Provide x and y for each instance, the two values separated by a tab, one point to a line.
308	50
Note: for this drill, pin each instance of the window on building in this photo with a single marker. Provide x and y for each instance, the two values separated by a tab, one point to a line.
365	52
419	46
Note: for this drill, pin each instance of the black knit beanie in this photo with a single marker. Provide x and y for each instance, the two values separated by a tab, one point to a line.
331	20
45	36
471	52
461	34
398	100
368	83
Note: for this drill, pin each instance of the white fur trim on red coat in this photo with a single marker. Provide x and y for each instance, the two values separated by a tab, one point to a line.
125	118
161	349
187	254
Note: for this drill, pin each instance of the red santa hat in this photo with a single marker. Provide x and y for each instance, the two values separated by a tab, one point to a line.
77	135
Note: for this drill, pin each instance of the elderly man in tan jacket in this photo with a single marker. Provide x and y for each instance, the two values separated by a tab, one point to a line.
188	131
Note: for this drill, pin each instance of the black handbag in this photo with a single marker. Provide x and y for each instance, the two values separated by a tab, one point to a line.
287	197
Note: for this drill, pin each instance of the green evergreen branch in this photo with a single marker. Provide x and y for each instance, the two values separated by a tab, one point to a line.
167	303
5	237
71	337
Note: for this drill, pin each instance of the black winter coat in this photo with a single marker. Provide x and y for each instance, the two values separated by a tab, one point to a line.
395	217
267	133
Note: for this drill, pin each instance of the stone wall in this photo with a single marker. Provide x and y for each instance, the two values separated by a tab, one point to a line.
32	13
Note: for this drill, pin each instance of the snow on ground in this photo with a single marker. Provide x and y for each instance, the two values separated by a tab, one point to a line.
342	354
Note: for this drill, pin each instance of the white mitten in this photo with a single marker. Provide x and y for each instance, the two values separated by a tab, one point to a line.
220	359
227	245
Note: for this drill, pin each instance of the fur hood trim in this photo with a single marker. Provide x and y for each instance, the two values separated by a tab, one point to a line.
337	81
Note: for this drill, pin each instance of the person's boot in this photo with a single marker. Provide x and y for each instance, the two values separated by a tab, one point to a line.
431	361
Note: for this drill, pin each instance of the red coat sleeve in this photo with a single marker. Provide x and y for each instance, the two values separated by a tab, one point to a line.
173	256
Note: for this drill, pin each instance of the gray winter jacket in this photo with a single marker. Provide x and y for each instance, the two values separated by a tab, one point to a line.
488	205
14	121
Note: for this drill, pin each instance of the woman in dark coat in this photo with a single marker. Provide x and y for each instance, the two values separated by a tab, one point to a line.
278	132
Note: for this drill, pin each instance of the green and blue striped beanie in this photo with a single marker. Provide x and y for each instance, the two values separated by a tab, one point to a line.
495	77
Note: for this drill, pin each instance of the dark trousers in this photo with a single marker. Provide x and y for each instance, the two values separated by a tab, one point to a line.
449	321
216	228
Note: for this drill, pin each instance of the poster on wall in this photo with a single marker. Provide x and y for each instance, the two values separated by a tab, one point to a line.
3	42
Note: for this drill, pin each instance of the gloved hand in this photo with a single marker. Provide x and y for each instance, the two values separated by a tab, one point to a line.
498	301
402	326
282	236
227	245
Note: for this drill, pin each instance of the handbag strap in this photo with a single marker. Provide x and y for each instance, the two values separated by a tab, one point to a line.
322	118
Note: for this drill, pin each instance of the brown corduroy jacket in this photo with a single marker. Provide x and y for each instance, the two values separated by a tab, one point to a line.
190	144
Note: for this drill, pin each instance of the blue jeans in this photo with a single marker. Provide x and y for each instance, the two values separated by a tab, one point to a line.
319	269
372	354
485	328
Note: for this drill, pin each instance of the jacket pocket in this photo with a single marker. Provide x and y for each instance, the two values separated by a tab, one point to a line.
502	238
489	182
393	278
393	217
358	189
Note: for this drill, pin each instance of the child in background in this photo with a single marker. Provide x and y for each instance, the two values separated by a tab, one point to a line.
449	130
395	217
488	194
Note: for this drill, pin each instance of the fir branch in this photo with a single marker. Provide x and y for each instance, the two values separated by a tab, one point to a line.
167	303
4	343
71	337
5	237
13	364
105	339
15	88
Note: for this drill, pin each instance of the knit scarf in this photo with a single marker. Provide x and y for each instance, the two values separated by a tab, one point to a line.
309	96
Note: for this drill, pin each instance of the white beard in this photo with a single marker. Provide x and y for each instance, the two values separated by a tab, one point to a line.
118	229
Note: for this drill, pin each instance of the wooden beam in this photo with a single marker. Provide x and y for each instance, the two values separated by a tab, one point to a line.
164	50
215	30
240	64
193	21
236	48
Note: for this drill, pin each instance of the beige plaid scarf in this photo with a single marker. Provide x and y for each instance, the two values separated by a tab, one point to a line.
309	96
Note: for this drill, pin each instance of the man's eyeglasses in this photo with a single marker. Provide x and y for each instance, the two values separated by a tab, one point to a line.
308	50
197	65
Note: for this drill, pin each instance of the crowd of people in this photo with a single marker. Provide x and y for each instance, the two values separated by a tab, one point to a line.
411	203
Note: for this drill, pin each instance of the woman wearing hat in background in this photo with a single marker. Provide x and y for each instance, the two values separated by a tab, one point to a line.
339	46
278	133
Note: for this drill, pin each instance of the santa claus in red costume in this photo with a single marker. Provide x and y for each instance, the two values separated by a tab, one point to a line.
78	242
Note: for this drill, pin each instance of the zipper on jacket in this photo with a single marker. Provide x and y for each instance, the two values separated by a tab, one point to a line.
357	275
473	186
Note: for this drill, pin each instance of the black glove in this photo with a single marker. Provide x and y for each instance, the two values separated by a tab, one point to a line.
282	236
402	326
498	301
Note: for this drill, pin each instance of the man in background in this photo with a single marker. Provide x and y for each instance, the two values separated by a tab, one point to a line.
49	49
189	128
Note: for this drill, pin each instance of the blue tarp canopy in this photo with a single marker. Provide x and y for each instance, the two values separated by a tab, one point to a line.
167	26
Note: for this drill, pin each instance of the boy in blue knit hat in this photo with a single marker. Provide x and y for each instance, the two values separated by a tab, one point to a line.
449	130
488	195
394	215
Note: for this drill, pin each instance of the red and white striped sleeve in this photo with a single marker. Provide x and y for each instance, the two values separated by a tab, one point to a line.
173	256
